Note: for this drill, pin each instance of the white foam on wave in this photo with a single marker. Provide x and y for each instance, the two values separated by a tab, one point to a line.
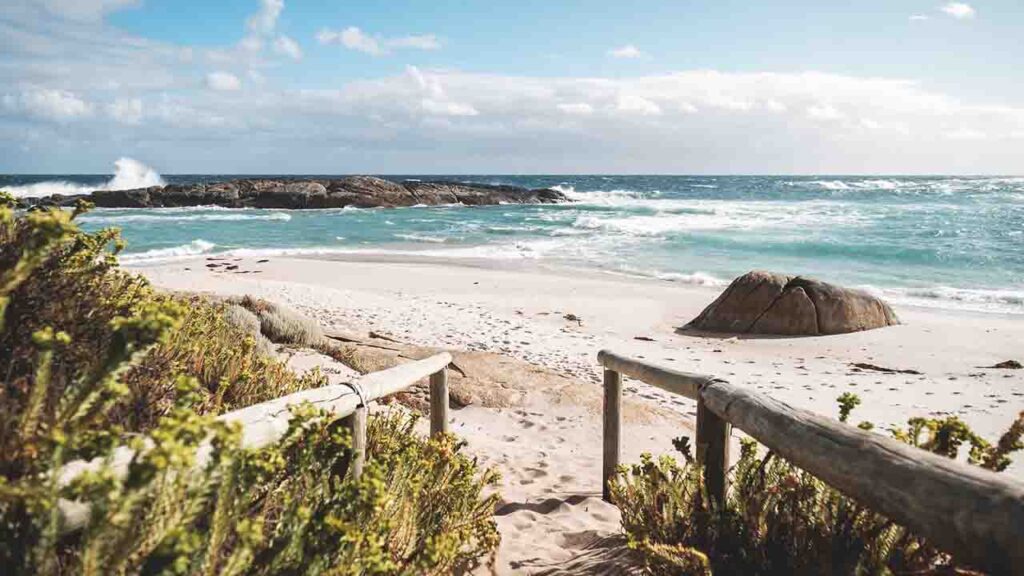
158	215
421	238
674	216
158	255
695	278
614	198
1003	301
860	184
519	250
128	175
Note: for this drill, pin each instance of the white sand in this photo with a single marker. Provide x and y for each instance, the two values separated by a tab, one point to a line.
550	455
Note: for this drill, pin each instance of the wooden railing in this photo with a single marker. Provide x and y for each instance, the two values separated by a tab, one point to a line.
975	514
264	424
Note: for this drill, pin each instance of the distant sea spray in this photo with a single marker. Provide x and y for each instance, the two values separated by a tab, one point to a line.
128	174
954	242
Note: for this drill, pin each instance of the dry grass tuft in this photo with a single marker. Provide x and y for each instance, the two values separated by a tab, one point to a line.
280	324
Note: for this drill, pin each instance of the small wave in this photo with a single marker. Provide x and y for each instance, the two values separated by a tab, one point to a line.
665	223
234	216
421	238
504	251
612	198
696	278
128	175
193	248
969	299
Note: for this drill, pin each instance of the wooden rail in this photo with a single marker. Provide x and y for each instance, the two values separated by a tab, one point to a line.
975	514
264	424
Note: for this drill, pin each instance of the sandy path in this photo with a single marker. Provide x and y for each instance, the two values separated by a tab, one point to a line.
550	458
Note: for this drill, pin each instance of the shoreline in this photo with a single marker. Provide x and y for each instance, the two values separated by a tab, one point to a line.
490	307
713	285
547	448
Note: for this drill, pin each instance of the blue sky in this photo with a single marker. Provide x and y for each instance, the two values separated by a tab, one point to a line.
444	86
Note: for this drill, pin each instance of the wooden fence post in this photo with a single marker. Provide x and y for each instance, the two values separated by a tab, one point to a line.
713	451
357	427
612	428
439	402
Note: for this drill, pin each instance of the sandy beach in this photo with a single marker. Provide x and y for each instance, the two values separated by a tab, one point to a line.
551	516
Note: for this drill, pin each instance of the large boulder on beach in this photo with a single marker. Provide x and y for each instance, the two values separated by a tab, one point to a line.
768	303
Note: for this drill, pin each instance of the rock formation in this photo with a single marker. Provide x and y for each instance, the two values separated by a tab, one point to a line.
767	303
356	191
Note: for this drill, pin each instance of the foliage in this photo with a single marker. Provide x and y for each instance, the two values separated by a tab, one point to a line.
93	358
778	519
280	324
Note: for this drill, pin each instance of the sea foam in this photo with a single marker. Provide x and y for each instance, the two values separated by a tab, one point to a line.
158	255
128	175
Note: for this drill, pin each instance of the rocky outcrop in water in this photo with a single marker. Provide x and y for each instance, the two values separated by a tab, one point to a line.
767	303
356	191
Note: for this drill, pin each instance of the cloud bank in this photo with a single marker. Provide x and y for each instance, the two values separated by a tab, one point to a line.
226	109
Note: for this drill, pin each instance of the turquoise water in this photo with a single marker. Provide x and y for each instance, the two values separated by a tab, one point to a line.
936	241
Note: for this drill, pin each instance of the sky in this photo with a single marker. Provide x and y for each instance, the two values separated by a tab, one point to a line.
489	87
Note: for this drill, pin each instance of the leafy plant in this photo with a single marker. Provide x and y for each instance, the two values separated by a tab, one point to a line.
778	519
93	358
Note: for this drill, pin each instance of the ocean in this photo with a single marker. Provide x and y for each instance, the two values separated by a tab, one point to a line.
949	242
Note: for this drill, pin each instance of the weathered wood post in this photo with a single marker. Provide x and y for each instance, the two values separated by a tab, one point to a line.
439	402
713	450
612	429
357	427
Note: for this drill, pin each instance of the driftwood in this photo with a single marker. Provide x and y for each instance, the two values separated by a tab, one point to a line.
975	514
883	369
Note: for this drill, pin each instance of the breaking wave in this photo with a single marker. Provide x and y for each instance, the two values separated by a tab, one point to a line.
193	248
177	215
128	174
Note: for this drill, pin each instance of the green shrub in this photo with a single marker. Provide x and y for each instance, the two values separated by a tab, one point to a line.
779	519
93	358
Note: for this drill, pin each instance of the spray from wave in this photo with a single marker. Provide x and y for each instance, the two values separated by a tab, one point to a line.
158	255
128	174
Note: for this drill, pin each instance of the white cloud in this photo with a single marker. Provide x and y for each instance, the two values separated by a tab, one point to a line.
421	42
442	108
86	10
223	81
918	17
966	134
577	108
824	112
265	20
251	44
959	10
288	47
126	110
627	51
636	104
354	38
49	104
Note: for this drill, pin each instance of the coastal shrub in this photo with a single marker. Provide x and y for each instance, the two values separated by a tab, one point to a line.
280	324
93	358
779	519
249	323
